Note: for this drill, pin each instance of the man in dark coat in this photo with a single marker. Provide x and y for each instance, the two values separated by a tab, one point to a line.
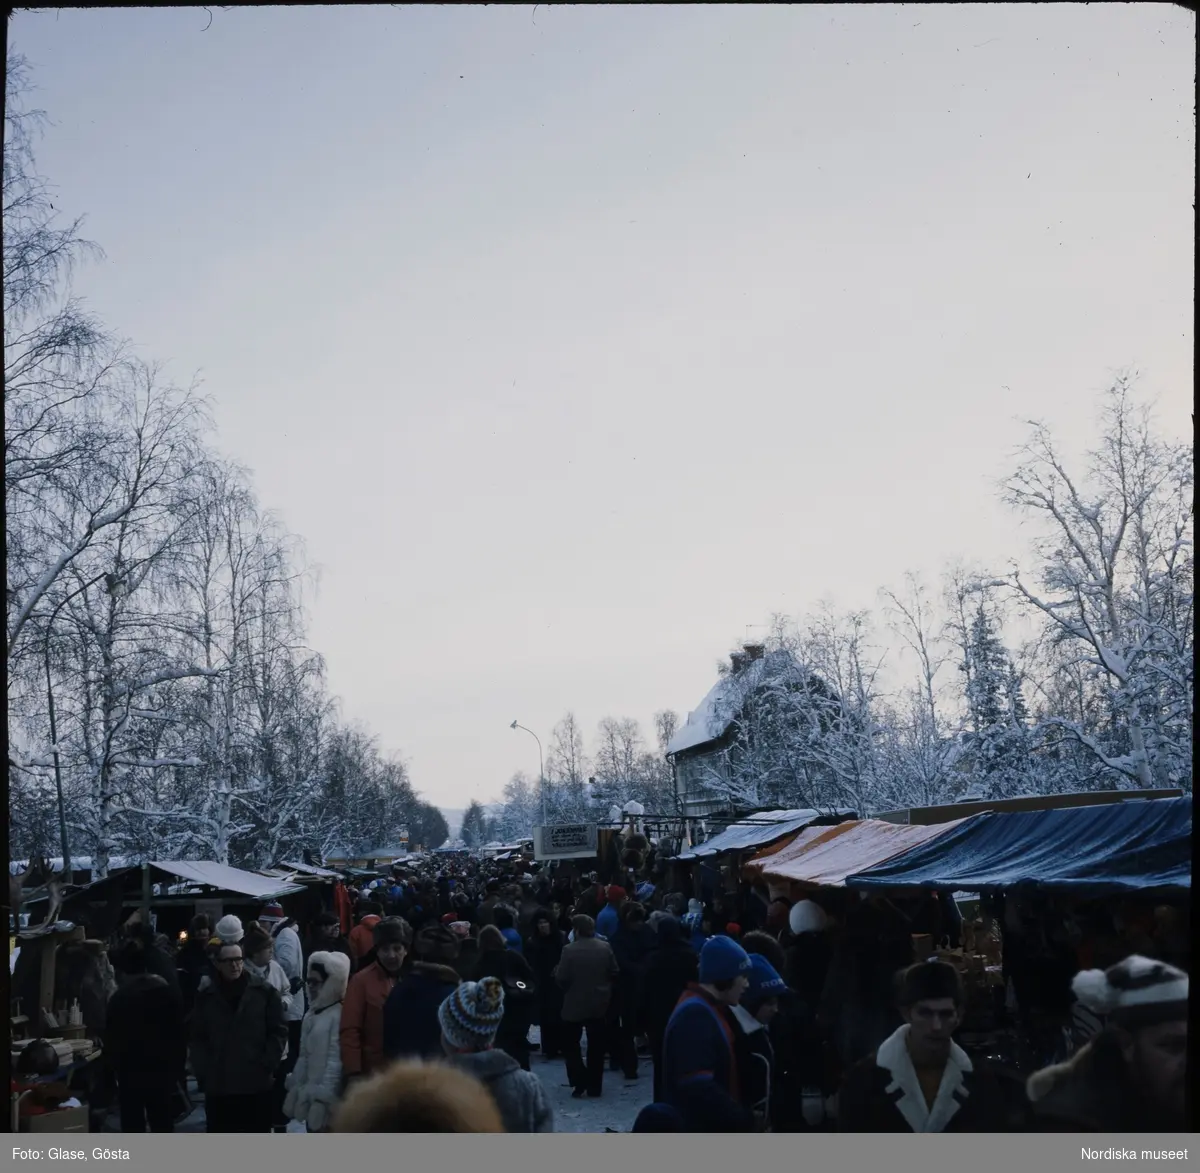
158	961
543	950
146	1043
238	1038
410	1014
1132	1077
520	991
631	944
671	966
919	1079
327	936
192	962
586	973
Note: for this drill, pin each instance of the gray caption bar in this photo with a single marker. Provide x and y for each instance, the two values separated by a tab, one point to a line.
981	1153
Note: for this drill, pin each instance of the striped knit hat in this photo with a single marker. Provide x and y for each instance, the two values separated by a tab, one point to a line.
1135	992
471	1016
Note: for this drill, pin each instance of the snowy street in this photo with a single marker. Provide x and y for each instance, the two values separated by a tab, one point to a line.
616	1109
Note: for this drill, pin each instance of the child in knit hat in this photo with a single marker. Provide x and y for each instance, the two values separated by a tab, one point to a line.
470	1018
761	998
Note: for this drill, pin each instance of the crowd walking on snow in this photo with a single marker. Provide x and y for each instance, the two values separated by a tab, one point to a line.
418	1011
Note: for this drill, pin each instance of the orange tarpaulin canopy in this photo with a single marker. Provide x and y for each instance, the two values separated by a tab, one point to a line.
802	841
822	857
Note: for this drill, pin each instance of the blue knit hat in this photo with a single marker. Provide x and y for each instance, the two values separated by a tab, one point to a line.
765	981
470	1017
722	959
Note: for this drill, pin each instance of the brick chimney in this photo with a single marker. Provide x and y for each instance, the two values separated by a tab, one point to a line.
753	652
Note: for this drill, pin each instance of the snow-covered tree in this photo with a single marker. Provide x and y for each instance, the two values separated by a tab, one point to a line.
567	773
522	807
999	748
159	673
475	828
1114	587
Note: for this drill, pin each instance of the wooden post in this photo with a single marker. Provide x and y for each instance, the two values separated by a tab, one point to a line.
49	950
145	896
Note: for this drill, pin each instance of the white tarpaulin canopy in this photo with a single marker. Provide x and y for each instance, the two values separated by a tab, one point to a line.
219	875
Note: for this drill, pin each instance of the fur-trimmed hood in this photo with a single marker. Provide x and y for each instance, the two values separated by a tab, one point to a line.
437	972
337	978
419	1097
893	1057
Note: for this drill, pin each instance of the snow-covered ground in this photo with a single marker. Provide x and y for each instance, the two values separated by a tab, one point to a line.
616	1109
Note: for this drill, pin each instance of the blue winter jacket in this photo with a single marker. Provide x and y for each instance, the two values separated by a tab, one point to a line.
699	1066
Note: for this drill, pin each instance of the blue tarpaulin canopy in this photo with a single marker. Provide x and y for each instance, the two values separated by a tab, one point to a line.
1122	846
757	831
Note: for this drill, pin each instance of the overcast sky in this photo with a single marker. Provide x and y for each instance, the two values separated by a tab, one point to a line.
575	340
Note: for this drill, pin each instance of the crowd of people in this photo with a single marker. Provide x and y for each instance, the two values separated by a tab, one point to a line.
419	1018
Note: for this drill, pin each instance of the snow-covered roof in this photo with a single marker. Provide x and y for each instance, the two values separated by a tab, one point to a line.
716	712
79	863
219	875
310	869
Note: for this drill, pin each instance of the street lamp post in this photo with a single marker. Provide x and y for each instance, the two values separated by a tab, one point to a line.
541	767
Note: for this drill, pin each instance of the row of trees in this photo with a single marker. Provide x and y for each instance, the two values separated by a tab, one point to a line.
162	696
1099	696
623	765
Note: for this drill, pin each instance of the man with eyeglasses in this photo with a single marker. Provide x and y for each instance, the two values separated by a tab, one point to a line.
237	1044
920	1079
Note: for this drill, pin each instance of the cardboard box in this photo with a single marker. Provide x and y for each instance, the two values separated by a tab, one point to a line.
64	1120
922	946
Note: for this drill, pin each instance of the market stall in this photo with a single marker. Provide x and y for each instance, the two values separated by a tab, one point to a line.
1065	889
1138	846
823	857
716	865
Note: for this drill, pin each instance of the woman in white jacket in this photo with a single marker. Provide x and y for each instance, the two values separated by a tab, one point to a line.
315	1083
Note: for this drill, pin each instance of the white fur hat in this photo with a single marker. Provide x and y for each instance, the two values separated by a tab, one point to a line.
1135	992
807	917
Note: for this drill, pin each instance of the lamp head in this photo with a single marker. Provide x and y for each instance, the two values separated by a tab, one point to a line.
513	725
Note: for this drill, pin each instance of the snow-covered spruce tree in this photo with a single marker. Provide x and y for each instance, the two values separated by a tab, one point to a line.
474	825
999	747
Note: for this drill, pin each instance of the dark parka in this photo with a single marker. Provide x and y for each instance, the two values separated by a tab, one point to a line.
671	966
144	1035
410	1014
236	1047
